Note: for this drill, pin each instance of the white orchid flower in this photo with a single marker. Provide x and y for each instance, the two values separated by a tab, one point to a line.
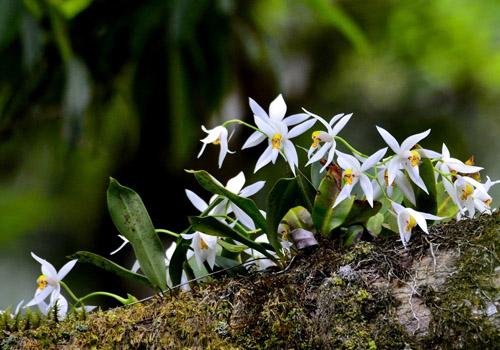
204	247
448	164
400	181
61	303
409	218
328	138
49	281
217	136
234	185
470	195
405	158
354	173
274	128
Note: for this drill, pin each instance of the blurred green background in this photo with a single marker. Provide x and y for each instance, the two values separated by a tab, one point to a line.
92	89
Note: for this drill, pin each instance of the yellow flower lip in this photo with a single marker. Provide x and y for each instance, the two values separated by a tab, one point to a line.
348	176
410	223
217	142
414	158
276	141
41	281
202	244
466	192
315	138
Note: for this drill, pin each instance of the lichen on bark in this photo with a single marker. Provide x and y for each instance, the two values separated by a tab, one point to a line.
442	292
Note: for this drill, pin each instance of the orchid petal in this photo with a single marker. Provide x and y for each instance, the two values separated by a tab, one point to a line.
264	159
295	119
366	185
196	200
344	193
277	108
340	124
253	140
252	189
47	268
373	159
236	183
412	140
413	173
66	269
301	128
257	110
389	139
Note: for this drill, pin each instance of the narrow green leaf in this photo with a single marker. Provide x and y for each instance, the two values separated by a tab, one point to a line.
245	204
374	224
325	217
212	226
132	220
283	196
316	176
177	261
361	211
233	248
307	191
110	266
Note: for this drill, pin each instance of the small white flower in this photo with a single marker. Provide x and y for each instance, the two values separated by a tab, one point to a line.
448	164
354	172
409	218
274	128
234	185
470	195
62	306
217	136
328	138
204	247
400	180
49	281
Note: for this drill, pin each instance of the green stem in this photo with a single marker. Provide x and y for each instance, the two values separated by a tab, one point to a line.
348	145
168	232
106	294
70	292
241	122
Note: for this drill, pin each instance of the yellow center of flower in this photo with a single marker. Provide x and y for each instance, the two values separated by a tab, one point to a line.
348	176
470	161
41	281
488	201
386	177
276	141
466	192
217	142
414	158
202	244
316	139
410	223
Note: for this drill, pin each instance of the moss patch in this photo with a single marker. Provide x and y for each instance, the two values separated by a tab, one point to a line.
438	293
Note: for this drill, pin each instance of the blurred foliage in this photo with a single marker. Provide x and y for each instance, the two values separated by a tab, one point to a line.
93	88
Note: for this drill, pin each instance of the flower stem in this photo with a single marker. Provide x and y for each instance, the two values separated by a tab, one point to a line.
348	145
70	292
168	232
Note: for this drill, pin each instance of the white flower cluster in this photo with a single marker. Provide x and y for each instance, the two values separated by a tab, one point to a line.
377	176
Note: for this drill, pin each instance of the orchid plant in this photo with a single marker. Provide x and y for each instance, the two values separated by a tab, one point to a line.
396	194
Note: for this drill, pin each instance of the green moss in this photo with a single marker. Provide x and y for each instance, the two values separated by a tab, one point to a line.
331	298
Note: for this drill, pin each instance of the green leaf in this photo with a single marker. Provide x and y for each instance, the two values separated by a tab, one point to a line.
177	261
212	226
71	8
233	248
361	211
426	203
352	235
307	192
286	194
325	217
283	196
332	14
110	266
245	204
132	220
374	224
316	176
